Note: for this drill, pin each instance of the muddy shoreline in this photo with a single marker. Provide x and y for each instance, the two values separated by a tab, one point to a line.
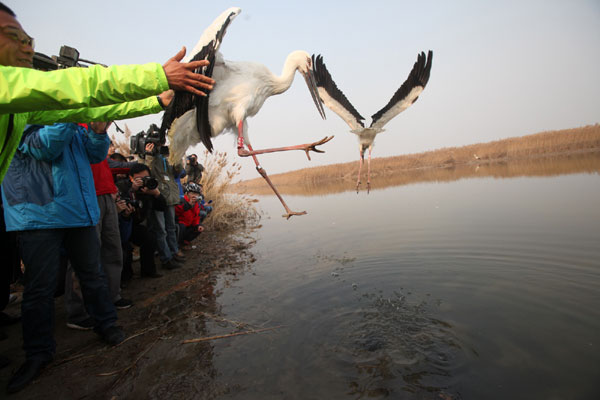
152	362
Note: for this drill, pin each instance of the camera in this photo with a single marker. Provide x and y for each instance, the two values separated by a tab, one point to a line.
193	159
131	202
149	182
67	57
134	203
138	142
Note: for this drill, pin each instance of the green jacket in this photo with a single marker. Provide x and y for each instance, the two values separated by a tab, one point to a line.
165	174
90	94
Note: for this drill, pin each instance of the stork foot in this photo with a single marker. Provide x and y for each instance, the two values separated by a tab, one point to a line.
292	213
368	187
357	186
313	146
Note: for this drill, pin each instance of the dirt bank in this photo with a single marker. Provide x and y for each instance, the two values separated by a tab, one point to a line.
152	362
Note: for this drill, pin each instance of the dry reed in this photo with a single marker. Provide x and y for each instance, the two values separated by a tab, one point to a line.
230	210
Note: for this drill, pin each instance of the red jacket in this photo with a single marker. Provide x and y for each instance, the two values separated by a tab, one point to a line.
187	214
103	179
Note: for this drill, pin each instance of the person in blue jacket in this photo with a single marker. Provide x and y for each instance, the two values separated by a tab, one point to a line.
50	200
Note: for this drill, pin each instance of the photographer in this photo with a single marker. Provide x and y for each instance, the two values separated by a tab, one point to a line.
188	215
137	198
193	169
162	223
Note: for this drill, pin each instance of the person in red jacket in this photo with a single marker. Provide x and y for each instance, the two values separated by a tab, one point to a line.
188	214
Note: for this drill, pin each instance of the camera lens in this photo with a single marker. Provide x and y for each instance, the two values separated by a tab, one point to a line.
150	182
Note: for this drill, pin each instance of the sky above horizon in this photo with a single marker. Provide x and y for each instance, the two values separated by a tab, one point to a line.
500	69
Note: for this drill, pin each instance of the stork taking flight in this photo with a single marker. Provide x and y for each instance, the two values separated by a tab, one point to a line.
404	97
240	91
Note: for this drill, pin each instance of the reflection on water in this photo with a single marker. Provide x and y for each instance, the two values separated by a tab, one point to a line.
544	166
471	288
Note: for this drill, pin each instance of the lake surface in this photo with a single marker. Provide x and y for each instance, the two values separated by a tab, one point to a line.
469	289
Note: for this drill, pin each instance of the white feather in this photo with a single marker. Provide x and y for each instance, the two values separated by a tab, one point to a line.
340	110
398	108
210	33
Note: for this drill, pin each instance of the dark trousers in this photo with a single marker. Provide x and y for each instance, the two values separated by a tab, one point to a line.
10	263
41	256
140	236
187	233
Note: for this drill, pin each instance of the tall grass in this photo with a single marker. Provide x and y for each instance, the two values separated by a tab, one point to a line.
230	210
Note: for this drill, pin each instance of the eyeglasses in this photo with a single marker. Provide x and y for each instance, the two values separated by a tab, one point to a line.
18	35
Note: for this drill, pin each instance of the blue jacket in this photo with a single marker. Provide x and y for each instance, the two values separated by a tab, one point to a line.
49	183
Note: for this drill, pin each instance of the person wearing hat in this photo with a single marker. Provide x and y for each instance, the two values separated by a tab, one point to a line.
188	214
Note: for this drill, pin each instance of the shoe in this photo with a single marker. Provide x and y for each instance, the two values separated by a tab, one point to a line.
179	256
113	335
122	303
152	275
85	325
26	373
171	264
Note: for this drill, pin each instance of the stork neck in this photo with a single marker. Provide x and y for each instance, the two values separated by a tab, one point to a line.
284	81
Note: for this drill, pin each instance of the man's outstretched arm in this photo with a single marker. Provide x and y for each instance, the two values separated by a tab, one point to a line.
24	89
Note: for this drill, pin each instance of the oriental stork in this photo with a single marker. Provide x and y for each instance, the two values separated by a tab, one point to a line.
239	92
404	97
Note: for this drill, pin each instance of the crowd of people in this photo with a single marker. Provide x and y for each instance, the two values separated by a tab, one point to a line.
72	208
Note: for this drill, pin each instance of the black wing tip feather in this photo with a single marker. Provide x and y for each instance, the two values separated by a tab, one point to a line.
418	76
324	80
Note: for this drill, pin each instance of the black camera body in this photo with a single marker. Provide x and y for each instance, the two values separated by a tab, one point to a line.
131	202
134	203
67	57
138	142
150	182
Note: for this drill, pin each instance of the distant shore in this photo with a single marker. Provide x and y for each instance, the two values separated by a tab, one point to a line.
571	143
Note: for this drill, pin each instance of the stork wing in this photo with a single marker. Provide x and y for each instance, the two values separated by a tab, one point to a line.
407	94
205	49
333	97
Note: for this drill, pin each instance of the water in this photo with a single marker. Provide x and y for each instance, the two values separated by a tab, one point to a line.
476	288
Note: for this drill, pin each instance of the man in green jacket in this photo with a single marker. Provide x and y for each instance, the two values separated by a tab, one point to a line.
78	94
74	95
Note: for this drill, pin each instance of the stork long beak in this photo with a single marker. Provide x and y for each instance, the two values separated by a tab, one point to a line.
309	77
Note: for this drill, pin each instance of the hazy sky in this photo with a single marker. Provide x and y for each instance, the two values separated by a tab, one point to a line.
500	69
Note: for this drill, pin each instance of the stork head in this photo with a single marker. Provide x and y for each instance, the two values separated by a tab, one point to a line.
303	63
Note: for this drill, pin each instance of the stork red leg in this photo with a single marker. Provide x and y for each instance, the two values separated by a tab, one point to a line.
369	171
360	164
263	173
306	147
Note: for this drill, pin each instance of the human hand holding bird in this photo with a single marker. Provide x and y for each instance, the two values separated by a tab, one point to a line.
181	76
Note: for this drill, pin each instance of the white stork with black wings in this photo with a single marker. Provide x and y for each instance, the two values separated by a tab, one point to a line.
404	97
239	92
